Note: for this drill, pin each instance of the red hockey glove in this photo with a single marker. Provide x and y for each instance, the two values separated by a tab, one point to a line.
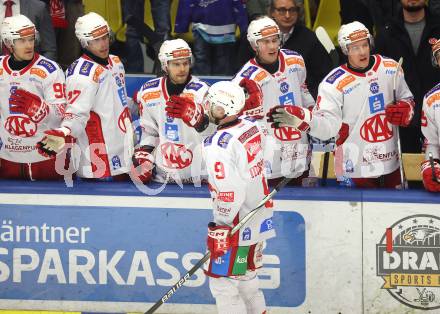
400	113
342	134
54	142
143	164
219	240
427	175
253	106
184	108
30	104
290	116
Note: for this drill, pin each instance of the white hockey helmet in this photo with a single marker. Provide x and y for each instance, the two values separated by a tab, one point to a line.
90	26
435	46
15	27
351	33
227	95
261	28
174	49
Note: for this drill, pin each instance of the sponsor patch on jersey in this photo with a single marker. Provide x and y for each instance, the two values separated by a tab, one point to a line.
122	96
253	147
376	103
344	82
432	99
71	68
284	87
188	96
389	64
227	197
151	84
260	76
293	61
290	52
194	86
266	225
1	71
287	99
116	59
224	139
376	129
247	234
38	72
208	141
151	95
374	88
249	71
49	66
334	76
172	131
97	73
116	162
248	134
86	67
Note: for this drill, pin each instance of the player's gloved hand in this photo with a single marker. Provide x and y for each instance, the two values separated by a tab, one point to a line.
54	142
219	240
29	104
400	113
192	114
290	116
253	106
427	175
143	164
342	134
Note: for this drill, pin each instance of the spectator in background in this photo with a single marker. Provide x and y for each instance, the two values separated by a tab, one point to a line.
295	37
37	12
134	14
64	14
213	25
408	36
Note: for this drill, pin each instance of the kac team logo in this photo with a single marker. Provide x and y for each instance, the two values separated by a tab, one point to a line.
408	260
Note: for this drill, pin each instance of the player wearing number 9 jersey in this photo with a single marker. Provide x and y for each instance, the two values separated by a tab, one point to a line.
97	114
32	101
237	182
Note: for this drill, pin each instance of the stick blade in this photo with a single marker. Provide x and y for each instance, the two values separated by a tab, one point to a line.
326	41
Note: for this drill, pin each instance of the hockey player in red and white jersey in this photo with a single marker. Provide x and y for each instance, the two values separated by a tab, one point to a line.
281	74
355	101
237	182
97	114
32	101
431	129
171	117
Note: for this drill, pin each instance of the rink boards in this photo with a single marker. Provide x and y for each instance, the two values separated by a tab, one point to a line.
101	247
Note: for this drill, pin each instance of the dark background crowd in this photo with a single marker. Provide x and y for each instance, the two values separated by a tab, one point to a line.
216	32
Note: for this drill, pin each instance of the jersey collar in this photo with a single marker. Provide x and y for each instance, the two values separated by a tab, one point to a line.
22	71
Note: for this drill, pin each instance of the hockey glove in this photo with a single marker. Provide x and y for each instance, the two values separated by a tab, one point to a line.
184	108
29	104
400	113
253	106
342	134
219	240
143	164
54	142
290	116
429	174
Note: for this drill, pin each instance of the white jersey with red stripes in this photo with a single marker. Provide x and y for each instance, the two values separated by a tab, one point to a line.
237	179
431	122
359	100
286	150
19	135
177	146
98	116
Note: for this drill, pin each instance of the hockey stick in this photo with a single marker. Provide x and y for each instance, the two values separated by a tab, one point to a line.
431	162
325	40
399	147
200	263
